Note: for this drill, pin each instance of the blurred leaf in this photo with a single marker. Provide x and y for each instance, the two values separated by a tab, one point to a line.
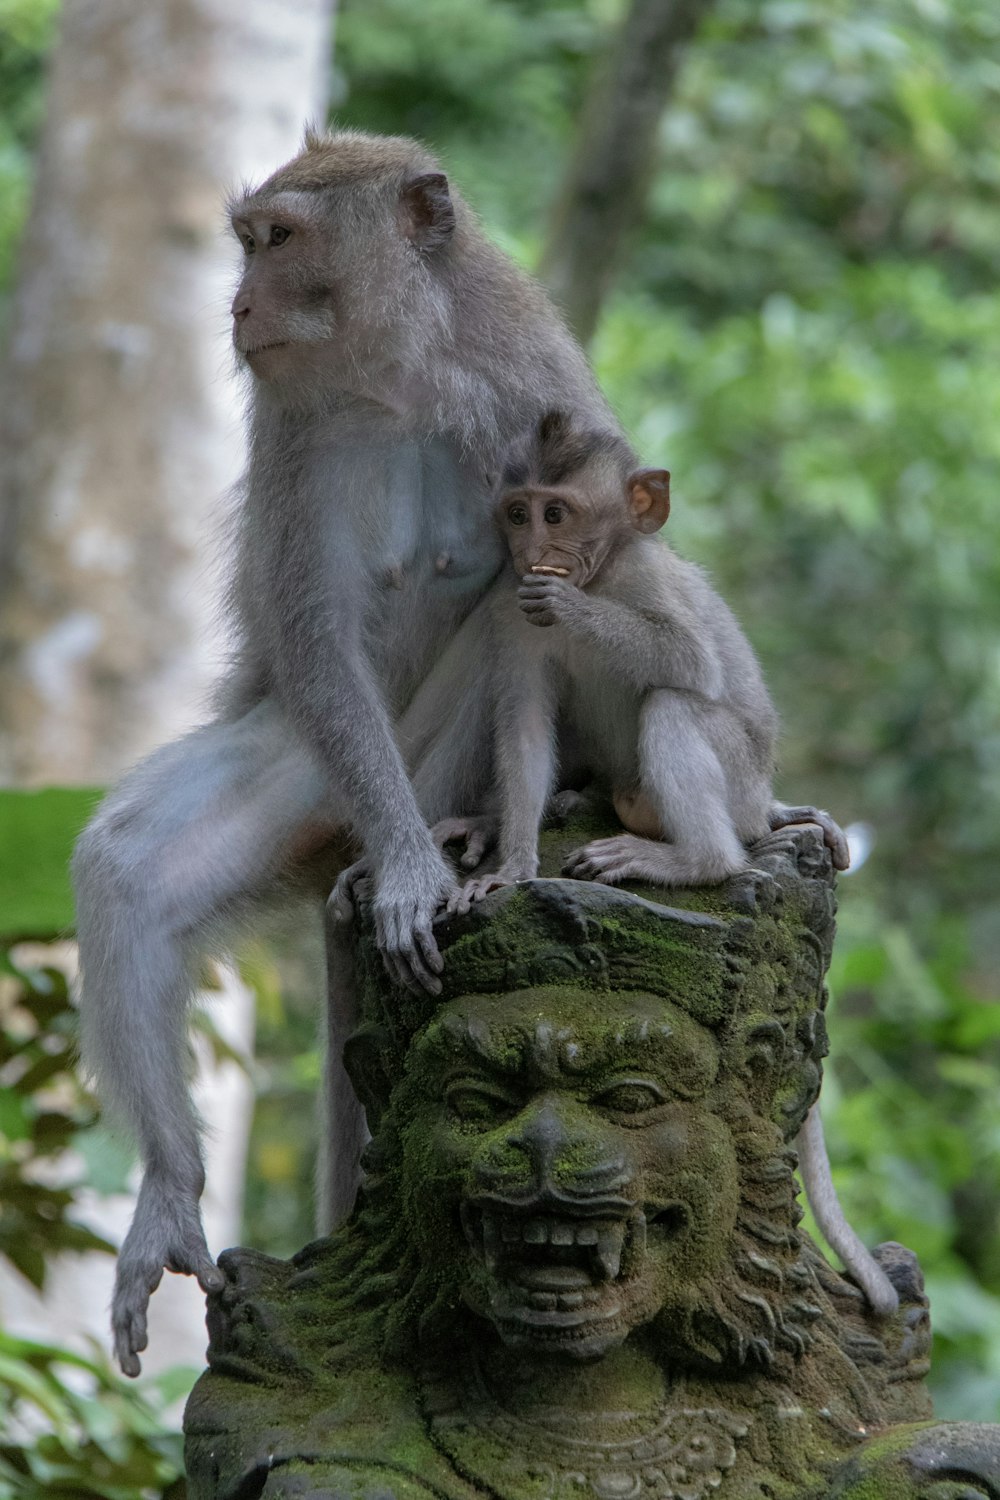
37	833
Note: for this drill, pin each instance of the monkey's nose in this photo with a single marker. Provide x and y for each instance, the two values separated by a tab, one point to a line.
240	309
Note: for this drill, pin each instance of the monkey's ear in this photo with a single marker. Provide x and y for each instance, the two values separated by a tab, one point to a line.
426	212
648	499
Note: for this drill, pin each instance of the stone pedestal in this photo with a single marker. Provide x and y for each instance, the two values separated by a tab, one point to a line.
575	1270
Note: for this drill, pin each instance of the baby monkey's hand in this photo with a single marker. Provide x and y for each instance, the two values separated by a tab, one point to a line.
546	600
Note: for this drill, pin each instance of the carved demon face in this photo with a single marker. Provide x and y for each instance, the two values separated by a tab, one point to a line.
564	1167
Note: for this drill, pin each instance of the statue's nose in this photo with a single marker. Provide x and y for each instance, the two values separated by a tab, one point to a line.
542	1136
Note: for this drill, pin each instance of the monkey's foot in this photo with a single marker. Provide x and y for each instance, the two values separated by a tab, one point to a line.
166	1234
627	857
479	834
474	890
351	883
782	816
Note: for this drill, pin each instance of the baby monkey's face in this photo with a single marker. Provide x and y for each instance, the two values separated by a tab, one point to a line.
552	532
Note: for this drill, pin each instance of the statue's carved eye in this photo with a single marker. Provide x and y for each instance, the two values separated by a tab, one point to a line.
631	1096
477	1105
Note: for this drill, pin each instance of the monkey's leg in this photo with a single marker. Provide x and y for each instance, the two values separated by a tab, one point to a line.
682	780
176	855
814	1168
783	816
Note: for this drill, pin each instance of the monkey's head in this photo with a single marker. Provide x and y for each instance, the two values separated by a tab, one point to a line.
339	273
569	497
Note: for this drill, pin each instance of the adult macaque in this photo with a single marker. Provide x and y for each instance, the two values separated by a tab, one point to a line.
393	354
643	669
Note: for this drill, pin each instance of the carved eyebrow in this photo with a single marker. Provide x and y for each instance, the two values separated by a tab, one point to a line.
554	1051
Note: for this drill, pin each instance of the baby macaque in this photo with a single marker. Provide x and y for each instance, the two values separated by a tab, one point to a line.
630	653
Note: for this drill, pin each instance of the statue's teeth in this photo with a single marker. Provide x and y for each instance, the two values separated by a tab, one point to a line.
536	1232
491	1241
586	1234
609	1251
562	1234
569	1301
511	1231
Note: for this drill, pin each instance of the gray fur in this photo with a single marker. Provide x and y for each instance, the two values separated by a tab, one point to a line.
413	352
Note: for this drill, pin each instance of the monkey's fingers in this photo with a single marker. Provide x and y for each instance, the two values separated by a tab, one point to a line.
209	1277
410	952
538	612
133	1289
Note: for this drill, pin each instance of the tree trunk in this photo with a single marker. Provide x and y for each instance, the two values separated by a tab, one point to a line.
605	188
119	416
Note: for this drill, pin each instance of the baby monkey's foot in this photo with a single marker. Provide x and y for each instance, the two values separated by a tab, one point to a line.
474	890
479	834
623	857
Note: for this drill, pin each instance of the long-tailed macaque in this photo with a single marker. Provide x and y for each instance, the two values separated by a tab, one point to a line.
616	646
392	353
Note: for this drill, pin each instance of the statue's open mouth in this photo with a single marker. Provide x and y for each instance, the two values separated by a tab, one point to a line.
556	1274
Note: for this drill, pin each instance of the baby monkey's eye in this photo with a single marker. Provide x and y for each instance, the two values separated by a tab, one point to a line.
554	514
278	234
518	515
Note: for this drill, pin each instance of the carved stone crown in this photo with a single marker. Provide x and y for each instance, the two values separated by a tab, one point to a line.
747	960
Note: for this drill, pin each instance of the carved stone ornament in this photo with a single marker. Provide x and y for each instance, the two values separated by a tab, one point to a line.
575	1270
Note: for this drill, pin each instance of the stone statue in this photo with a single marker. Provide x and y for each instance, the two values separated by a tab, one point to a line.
575	1270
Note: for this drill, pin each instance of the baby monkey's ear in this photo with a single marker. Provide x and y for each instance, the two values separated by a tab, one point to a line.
648	493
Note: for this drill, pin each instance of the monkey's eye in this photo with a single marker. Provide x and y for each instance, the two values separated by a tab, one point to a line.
632	1097
518	515
278	235
477	1106
554	514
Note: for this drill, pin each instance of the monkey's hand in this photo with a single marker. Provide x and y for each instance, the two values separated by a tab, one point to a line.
545	600
480	833
165	1234
409	890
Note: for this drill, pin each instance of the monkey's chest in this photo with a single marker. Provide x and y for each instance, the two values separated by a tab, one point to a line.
431	554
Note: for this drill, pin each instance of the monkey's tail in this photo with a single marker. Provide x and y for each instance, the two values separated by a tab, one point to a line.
814	1165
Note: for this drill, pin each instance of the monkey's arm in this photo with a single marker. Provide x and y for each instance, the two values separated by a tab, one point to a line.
326	686
649	648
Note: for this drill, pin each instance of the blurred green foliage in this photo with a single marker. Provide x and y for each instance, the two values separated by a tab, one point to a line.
807	333
69	1425
27	28
43	1108
72	1428
37	833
